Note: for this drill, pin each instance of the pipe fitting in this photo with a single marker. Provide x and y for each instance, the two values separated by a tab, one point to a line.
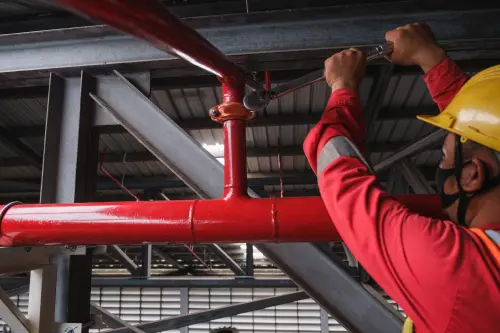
230	111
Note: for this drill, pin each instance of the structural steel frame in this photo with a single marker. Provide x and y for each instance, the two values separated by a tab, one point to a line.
99	47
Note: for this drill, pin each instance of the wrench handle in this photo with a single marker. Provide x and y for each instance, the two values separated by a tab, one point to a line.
374	53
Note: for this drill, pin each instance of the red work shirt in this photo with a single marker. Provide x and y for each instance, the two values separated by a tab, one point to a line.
441	274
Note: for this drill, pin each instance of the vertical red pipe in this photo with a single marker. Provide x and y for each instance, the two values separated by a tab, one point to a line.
235	155
235	150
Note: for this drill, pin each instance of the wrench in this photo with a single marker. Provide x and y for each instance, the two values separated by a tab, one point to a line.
259	99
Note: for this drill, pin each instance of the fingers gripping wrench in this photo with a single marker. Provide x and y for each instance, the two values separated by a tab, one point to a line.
259	99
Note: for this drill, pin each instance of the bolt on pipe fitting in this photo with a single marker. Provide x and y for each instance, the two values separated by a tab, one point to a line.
230	111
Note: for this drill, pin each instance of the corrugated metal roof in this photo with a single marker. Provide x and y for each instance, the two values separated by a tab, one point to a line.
393	131
22	111
20	172
144	169
36	143
7	152
404	91
9	8
119	143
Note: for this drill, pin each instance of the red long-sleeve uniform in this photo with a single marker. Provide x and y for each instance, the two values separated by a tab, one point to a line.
441	274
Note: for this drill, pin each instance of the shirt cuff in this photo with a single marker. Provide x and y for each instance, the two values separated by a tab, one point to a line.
342	97
443	69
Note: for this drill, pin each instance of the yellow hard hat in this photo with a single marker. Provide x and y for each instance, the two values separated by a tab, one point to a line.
474	113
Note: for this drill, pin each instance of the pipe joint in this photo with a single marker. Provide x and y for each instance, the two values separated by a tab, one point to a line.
230	111
5	208
232	107
234	193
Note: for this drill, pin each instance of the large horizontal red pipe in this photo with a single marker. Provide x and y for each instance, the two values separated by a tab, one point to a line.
199	221
152	22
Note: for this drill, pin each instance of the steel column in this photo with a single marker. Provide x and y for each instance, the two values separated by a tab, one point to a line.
212	314
69	148
147	252
249	260
42	300
184	306
324	321
69	174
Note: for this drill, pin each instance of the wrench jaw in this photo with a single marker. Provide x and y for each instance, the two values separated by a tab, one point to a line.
256	100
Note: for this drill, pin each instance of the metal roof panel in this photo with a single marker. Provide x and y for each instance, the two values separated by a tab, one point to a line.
22	112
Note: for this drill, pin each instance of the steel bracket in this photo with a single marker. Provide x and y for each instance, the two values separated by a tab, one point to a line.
69	328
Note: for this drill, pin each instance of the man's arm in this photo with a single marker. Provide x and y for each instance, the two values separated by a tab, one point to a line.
444	81
412	257
414	44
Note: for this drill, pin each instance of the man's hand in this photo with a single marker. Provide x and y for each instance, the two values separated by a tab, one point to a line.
345	69
414	44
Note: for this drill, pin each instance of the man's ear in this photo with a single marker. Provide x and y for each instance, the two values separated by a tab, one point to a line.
473	175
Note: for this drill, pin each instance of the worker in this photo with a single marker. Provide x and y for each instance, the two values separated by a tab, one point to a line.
444	273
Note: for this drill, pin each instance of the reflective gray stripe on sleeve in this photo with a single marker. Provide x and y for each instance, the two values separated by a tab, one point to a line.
335	148
494	235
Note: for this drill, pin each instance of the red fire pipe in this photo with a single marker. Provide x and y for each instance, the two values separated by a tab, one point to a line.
201	221
235	177
235	218
152	22
235	147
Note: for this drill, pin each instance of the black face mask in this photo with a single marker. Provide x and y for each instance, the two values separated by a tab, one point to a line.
441	176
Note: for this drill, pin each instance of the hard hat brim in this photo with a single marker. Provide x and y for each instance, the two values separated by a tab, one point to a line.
440	122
